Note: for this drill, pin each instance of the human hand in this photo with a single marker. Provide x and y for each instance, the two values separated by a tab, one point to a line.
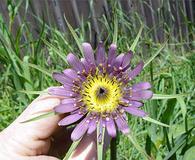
42	139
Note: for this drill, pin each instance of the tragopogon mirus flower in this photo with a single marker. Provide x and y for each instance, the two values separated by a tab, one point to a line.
99	89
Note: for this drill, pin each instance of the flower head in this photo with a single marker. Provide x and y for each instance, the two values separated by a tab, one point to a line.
98	89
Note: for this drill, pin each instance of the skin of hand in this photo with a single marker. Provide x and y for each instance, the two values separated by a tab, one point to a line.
42	139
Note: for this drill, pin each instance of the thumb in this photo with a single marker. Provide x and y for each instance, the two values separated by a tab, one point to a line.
42	128
41	158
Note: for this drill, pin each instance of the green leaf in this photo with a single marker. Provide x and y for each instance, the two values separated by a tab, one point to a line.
115	30
137	146
71	149
76	38
183	106
155	121
168	111
52	113
156	54
132	48
164	96
101	143
27	75
32	92
189	154
56	50
180	141
41	34
39	69
150	147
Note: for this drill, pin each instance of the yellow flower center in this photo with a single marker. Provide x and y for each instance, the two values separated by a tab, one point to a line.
101	93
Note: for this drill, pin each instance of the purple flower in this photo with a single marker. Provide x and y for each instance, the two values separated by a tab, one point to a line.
98	89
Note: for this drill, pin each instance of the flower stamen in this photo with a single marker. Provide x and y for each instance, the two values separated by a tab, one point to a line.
101	93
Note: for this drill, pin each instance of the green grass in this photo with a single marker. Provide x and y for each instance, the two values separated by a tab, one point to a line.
27	66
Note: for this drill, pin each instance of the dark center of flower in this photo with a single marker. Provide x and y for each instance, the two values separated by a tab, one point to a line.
101	91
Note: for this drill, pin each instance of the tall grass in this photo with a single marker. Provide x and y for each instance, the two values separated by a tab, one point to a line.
27	62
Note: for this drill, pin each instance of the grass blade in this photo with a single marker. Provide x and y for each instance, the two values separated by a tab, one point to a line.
39	69
156	54
180	141
164	96
132	48
56	50
137	146
115	30
33	92
149	119
52	113
71	149
183	106
76	38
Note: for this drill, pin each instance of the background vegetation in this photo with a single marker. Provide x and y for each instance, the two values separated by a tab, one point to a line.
26	64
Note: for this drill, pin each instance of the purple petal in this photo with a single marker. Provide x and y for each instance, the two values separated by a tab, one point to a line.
74	62
70	73
88	53
141	86
143	94
135	104
100	54
80	129
61	92
65	108
135	111
86	64
112	53
118	60
70	119
132	103
124	100
122	61
68	87
60	77
110	126
92	126
122	125
69	100
126	68
136	70
126	59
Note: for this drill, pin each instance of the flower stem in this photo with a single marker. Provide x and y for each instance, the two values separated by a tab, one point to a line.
100	141
72	148
113	149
